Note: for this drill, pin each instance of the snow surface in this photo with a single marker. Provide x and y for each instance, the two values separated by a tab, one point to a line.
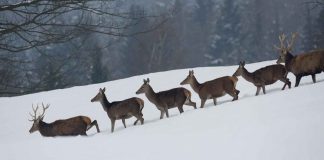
281	125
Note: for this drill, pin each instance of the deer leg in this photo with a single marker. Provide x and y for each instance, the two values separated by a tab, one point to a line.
263	89
286	81
180	108
237	92
139	118
297	80
202	103
166	111
215	101
233	94
258	90
135	122
190	103
112	125
162	114
314	78
124	122
194	105
94	123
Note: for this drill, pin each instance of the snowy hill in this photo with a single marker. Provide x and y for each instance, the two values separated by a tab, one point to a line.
280	125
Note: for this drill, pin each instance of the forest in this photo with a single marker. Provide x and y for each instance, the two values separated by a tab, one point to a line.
53	44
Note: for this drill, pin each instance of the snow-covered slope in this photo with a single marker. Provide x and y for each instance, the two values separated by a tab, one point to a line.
283	125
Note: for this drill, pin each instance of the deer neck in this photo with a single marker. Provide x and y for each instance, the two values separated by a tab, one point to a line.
247	75
45	129
151	95
195	85
288	61
105	103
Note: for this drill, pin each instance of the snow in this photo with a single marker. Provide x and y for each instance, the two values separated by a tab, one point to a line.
280	125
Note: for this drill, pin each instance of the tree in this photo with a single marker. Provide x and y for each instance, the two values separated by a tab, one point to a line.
50	33
319	32
225	46
24	25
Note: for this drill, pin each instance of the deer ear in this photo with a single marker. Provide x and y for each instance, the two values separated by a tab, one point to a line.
104	89
243	63
148	80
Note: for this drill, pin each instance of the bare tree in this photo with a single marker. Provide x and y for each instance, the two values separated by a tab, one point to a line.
24	24
34	33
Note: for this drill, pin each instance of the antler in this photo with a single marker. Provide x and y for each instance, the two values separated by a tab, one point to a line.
35	112
282	38
34	115
292	41
44	108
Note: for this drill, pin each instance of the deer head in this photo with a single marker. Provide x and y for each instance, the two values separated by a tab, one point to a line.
99	96
283	50
239	70
36	119
145	87
189	79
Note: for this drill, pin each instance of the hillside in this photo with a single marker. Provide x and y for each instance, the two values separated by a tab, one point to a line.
285	124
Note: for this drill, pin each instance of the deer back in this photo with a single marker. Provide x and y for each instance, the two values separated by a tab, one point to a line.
308	63
65	127
172	97
217	86
270	74
125	108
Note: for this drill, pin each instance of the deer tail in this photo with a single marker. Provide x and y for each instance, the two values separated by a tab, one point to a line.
141	104
187	94
234	79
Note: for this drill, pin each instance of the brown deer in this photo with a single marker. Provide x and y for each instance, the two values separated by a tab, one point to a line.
165	100
120	109
310	63
212	89
65	127
264	76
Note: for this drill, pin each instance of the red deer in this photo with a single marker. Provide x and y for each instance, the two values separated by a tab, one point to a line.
212	89
120	109
65	127
165	100
310	63
264	76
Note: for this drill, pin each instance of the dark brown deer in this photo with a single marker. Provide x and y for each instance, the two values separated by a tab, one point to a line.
264	76
212	89
120	109
305	64
165	100
65	127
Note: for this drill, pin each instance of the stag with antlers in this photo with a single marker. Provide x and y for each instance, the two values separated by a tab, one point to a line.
309	63
65	127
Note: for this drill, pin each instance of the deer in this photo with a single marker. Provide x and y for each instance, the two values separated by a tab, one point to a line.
124	109
264	76
74	126
212	89
309	63
167	99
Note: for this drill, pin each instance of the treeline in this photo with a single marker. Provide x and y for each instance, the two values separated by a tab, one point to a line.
161	35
